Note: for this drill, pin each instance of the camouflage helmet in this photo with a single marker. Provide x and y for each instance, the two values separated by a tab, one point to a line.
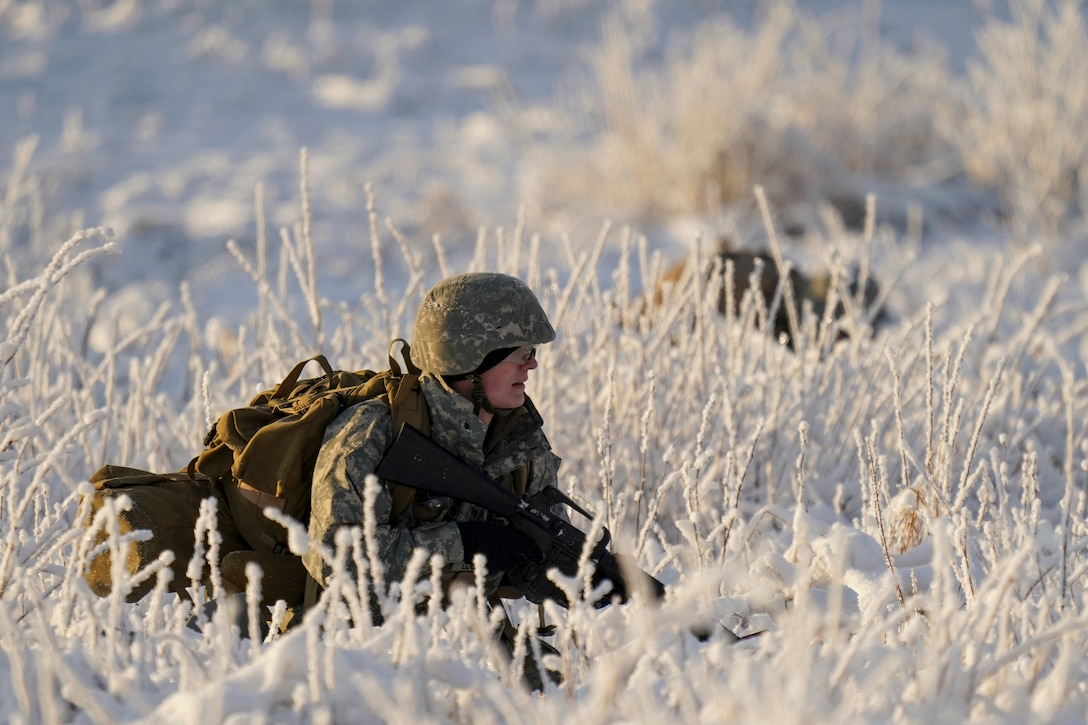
466	316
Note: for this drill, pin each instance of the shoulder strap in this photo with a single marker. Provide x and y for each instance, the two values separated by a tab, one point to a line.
521	479
407	405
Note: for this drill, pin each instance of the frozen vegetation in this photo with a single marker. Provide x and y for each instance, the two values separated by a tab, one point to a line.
902	511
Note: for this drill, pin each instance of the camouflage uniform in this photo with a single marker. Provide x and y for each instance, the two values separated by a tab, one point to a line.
464	325
356	441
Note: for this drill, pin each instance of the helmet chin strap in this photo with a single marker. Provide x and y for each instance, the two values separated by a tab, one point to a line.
480	401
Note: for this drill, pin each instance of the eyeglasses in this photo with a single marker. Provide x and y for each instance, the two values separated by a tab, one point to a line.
523	355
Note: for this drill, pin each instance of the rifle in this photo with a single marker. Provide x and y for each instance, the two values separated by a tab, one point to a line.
416	461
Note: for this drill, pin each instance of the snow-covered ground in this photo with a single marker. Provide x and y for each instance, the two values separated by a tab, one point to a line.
262	180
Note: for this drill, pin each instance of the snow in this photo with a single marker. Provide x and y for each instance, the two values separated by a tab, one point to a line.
193	195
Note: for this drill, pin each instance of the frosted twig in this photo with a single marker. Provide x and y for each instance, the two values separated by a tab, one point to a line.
961	495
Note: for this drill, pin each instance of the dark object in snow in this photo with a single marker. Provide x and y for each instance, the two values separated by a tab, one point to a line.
737	274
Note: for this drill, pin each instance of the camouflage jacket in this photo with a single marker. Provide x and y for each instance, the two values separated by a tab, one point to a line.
356	441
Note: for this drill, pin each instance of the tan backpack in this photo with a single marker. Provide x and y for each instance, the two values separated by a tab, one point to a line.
264	454
255	456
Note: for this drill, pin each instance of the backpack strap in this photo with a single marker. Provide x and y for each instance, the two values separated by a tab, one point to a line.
288	384
407	405
405	350
521	479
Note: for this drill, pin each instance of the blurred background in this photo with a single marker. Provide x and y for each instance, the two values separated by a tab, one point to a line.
181	125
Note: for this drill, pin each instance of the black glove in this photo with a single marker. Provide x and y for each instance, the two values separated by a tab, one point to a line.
503	547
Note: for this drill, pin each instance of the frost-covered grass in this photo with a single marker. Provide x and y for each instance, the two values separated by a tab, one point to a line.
903	513
818	110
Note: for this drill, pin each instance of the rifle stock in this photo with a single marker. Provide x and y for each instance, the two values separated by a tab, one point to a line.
415	460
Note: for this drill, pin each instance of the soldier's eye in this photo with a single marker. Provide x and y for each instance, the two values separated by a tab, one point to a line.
523	355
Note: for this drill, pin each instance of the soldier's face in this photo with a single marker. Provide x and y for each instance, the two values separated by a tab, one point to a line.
504	384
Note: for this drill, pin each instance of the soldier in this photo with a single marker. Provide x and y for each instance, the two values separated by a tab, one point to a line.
475	342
